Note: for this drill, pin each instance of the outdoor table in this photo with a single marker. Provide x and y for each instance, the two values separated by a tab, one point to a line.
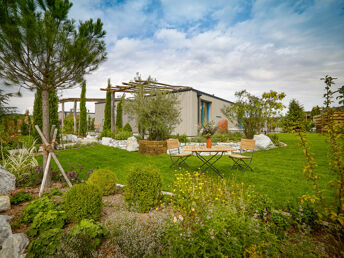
216	152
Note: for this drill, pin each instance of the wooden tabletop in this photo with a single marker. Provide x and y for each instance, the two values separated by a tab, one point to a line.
212	149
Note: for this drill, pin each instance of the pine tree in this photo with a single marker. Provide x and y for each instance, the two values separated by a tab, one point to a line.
295	118
37	115
83	111
43	48
53	113
119	114
107	110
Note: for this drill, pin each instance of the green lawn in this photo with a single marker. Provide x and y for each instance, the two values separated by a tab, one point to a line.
276	172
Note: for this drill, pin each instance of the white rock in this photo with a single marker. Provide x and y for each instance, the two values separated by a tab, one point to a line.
14	246
132	144
107	141
263	142
5	203
5	228
7	181
69	138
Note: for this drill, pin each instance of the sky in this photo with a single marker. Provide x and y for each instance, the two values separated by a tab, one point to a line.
217	46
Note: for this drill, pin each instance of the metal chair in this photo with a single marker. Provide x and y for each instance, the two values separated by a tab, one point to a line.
238	159
178	158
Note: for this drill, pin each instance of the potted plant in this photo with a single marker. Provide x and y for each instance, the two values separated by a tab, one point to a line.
208	130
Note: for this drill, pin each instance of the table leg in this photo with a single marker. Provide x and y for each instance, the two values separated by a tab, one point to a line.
208	164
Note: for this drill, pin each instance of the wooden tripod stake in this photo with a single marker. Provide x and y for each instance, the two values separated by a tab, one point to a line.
50	149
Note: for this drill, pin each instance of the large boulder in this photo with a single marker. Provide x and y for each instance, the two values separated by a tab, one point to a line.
107	141
132	144
69	138
5	203
263	142
7	181
5	228
14	246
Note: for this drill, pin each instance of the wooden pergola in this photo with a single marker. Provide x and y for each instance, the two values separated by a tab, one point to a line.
75	100
146	86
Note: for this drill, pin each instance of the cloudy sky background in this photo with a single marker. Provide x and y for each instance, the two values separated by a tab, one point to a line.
218	46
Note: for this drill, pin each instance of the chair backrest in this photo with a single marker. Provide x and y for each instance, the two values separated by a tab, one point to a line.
247	144
172	144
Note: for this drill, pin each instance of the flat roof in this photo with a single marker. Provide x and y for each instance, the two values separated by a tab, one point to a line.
184	90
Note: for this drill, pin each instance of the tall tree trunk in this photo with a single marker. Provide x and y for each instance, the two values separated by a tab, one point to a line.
46	130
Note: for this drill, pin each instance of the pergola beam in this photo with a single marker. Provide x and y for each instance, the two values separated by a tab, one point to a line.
75	100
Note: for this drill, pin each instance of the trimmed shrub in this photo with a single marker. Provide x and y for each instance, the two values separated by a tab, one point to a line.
47	220
46	244
104	179
127	128
144	188
83	201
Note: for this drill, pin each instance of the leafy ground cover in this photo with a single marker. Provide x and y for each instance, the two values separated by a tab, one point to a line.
276	172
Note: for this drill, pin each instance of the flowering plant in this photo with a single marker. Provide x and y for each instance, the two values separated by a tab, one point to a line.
208	129
20	196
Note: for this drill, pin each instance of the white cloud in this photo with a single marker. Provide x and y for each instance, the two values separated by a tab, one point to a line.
272	48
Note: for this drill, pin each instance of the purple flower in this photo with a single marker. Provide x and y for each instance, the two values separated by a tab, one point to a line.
72	174
90	172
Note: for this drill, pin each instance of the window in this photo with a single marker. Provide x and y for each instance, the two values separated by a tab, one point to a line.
205	110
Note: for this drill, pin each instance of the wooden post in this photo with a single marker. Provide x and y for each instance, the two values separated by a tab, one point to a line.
63	115
74	114
112	111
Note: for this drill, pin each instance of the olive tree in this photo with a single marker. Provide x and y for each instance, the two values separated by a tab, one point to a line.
41	48
249	110
156	113
272	107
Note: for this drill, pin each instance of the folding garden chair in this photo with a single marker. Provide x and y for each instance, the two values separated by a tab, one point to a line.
243	161
178	158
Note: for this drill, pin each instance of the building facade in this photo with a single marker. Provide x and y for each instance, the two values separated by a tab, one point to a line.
196	108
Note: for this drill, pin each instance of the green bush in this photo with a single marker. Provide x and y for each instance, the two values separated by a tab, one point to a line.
47	220
143	191
133	237
46	244
104	179
181	138
199	138
95	230
274	138
105	133
19	197
83	201
78	245
122	135
217	218
36	206
127	128
219	232
227	137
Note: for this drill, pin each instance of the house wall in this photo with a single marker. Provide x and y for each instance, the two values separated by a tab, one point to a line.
188	114
99	118
215	113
